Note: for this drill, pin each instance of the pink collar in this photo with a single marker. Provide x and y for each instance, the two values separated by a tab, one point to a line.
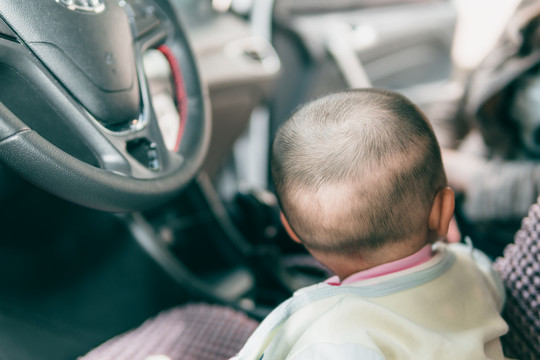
419	257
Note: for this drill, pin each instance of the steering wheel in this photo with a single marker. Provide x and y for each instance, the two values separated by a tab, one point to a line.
76	112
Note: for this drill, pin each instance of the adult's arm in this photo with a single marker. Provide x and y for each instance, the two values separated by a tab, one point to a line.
493	189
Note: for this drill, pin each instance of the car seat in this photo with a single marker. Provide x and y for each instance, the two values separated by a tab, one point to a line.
520	271
189	332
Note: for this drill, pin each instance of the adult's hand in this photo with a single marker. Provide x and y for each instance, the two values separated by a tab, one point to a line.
461	169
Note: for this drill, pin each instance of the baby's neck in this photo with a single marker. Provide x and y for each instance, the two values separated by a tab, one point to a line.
345	265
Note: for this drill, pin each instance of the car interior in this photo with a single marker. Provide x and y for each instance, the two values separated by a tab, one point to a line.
134	145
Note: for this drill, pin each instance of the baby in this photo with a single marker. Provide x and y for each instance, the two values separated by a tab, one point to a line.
361	185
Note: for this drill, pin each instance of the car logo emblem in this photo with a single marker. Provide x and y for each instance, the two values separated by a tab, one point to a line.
86	6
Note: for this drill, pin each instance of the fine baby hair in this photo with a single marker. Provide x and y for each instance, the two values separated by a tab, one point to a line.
356	170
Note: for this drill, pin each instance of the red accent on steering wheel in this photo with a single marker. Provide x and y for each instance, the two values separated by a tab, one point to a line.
180	91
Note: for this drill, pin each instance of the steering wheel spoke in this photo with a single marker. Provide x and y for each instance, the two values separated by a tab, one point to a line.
83	117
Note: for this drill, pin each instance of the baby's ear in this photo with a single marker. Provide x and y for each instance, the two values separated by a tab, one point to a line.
288	228
442	211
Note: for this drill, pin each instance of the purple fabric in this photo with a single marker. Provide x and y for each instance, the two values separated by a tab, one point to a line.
189	332
520	271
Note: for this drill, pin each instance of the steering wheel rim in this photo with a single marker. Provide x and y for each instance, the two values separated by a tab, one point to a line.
118	180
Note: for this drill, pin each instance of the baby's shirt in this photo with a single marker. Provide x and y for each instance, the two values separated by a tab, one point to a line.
446	307
418	258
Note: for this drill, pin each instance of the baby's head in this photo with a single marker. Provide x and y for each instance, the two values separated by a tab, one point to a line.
357	170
